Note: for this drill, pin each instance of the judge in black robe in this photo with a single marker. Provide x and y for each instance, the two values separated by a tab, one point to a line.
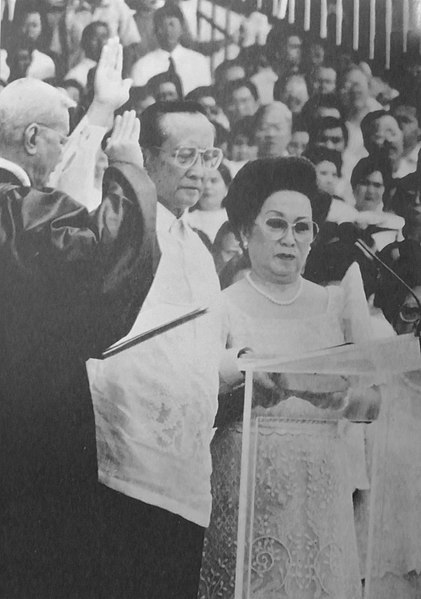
71	283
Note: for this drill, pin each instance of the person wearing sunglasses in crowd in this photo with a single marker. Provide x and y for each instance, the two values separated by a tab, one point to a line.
274	311
397	525
156	403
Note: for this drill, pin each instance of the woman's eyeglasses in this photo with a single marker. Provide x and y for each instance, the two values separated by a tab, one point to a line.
276	227
409	314
186	156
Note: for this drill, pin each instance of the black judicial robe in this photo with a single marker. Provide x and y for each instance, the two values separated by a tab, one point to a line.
71	283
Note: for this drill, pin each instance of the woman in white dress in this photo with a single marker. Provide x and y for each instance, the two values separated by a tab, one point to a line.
304	537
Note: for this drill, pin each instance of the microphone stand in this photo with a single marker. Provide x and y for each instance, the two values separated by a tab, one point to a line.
368	252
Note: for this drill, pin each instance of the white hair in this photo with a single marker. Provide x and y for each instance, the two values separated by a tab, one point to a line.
25	101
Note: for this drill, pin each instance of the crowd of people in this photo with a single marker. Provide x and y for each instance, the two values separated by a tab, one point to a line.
135	178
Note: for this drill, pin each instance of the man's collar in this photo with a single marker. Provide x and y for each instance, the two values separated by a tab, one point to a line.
16	170
165	219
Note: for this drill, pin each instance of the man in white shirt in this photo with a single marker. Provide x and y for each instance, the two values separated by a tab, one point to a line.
94	37
155	403
192	67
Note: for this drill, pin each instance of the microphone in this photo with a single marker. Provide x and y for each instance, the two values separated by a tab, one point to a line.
368	253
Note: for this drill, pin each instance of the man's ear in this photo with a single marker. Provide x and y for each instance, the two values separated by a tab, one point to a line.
30	136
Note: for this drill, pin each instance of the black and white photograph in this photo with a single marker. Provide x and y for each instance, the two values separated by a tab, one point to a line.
210	299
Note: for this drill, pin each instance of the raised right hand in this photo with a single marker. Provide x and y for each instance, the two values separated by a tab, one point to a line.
123	143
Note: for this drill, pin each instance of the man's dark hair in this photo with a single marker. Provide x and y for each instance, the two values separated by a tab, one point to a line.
232	86
316	155
367	124
298	123
170	9
225	66
327	122
151	134
411	98
166	77
89	32
204	91
245	127
320	101
368	165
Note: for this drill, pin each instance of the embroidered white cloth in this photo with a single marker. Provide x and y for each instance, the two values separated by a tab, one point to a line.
155	403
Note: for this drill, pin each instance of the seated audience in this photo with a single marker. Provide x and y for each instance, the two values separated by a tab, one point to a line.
30	25
191	67
371	181
94	36
165	87
292	92
273	130
115	13
299	137
405	111
225	246
208	214
240	100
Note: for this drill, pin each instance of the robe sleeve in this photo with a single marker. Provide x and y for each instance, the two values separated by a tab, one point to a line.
81	277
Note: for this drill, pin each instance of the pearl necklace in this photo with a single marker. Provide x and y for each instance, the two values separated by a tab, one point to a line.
273	299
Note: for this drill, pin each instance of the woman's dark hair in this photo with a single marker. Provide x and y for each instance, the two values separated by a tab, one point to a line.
259	179
233	86
317	154
368	165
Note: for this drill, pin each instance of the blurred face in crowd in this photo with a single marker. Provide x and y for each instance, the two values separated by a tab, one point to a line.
31	26
324	80
354	91
369	192
298	144
168	32
214	190
295	94
333	139
282	259
167	92
317	54
274	132
230	247
21	62
294	50
327	177
243	149
406	117
179	187
387	135
241	103
408	316
96	41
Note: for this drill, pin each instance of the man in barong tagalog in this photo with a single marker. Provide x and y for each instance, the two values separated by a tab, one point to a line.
72	284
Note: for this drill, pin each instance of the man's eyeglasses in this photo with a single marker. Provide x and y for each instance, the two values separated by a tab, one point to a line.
186	156
409	314
276	227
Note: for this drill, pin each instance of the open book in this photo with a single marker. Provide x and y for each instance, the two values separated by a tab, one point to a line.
153	322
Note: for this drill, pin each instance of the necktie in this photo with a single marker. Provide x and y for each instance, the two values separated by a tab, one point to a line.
171	67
